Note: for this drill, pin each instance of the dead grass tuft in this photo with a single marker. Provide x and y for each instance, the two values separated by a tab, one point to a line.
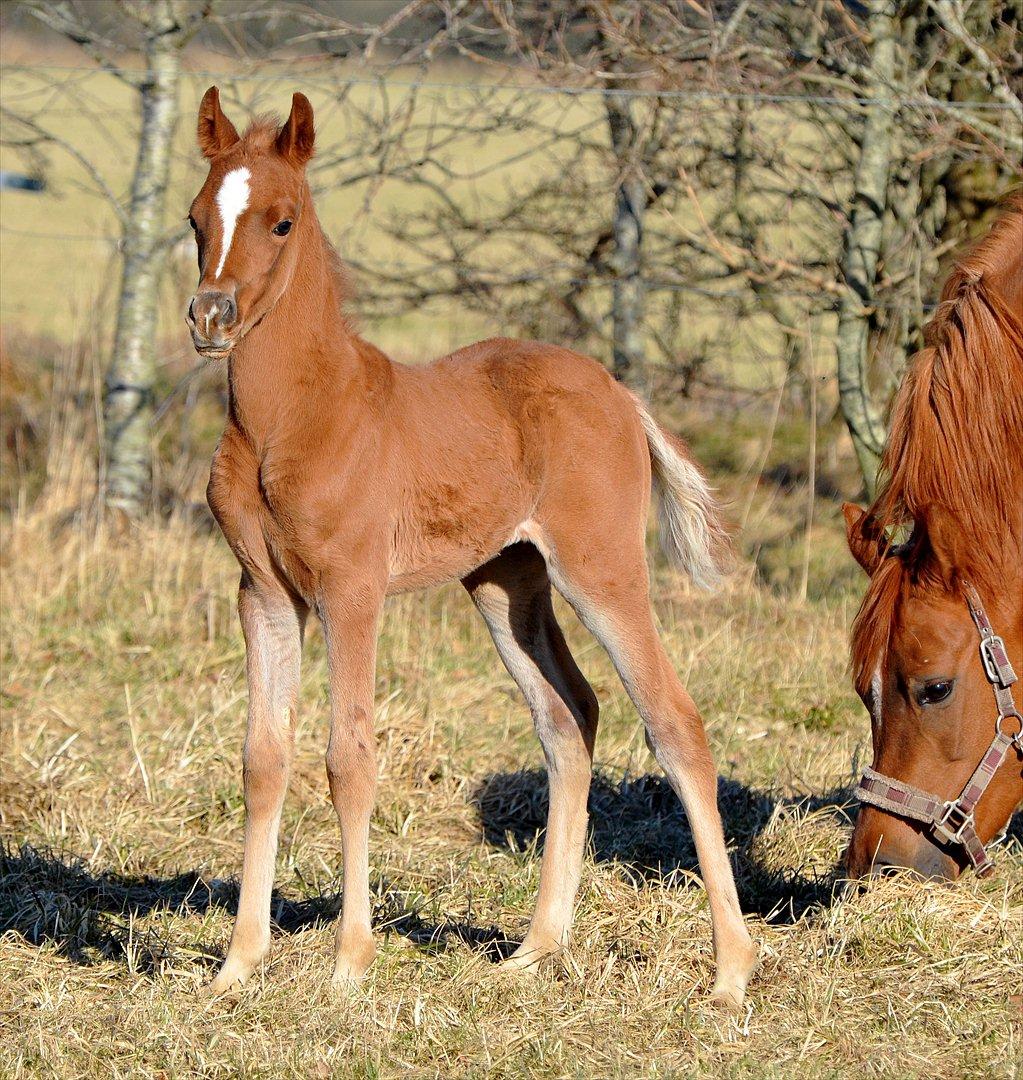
121	818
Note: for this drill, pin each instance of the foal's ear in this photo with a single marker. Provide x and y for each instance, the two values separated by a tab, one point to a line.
865	537
216	133
946	540
296	138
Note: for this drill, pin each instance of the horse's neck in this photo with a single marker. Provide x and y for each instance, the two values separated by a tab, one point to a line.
299	357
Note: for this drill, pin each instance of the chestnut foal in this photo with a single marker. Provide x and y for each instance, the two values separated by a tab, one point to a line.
342	477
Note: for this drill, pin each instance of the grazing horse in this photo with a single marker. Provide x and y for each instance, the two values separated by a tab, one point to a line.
342	477
940	630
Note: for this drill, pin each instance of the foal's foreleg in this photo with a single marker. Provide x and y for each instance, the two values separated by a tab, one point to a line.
272	622
513	595
351	624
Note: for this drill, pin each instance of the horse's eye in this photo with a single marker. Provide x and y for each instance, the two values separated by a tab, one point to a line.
192	224
935	692
282	228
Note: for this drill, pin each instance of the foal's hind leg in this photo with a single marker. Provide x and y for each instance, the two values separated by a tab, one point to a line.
609	589
514	596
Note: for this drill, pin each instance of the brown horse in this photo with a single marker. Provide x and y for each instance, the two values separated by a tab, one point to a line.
927	657
342	477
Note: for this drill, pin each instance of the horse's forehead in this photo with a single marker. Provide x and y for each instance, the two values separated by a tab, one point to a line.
266	178
929	629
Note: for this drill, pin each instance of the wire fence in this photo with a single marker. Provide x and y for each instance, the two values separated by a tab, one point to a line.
892	97
652	285
729	291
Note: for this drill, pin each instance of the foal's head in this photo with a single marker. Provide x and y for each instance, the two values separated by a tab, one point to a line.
246	219
917	666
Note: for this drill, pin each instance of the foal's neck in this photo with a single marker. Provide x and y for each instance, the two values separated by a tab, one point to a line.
302	357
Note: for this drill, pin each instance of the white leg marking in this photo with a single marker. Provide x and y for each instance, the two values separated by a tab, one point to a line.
232	198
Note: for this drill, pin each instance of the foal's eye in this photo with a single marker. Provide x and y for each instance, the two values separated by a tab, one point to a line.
282	228
935	692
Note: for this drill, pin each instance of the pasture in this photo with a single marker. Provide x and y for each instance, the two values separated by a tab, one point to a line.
121	812
122	819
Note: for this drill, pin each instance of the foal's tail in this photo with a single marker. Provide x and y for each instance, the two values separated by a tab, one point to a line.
691	530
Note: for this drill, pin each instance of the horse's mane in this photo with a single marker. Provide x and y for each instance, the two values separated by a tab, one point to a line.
955	442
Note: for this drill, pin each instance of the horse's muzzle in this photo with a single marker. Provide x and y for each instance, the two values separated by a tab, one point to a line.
212	315
882	845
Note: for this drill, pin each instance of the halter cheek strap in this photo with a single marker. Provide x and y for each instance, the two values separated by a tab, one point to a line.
952	822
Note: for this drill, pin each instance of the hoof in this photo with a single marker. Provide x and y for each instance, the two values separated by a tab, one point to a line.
727	998
230	980
344	984
729	990
351	966
241	961
528	958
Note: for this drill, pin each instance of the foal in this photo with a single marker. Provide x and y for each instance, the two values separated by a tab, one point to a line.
342	477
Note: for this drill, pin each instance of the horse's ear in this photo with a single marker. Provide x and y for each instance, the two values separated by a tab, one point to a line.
945	539
296	138
865	537
215	133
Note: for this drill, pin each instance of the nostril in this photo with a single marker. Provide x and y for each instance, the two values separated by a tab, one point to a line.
229	310
191	310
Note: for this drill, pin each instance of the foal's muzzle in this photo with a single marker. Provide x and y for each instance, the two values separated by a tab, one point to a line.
212	315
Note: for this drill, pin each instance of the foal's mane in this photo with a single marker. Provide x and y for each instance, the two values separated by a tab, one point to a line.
955	443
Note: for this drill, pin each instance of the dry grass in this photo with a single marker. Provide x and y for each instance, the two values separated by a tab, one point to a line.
121	811
122	822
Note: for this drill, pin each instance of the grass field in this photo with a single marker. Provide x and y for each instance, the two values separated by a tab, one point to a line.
121	817
122	825
121	810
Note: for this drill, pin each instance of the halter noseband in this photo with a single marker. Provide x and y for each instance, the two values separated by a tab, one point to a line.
952	822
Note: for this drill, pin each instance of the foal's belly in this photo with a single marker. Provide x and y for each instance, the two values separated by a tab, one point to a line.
447	541
424	561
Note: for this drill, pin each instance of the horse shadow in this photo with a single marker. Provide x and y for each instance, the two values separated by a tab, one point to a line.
636	823
50	898
54	899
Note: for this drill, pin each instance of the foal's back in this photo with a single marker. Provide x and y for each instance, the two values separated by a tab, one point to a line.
492	443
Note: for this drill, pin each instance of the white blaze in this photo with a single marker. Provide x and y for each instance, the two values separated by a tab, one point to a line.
232	198
875	695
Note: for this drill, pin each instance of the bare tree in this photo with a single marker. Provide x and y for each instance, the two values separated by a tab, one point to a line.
157	31
705	179
140	43
785	161
862	243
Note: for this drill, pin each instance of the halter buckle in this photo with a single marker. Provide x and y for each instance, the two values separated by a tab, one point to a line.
953	823
996	661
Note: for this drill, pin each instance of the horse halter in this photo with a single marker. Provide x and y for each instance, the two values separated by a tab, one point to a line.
952	822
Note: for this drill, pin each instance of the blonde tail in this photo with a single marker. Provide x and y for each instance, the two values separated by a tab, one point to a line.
691	532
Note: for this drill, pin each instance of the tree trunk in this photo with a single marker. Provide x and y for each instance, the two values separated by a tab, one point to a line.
128	393
863	245
628	292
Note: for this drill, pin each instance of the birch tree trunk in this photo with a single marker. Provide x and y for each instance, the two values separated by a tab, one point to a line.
862	246
628	293
128	392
